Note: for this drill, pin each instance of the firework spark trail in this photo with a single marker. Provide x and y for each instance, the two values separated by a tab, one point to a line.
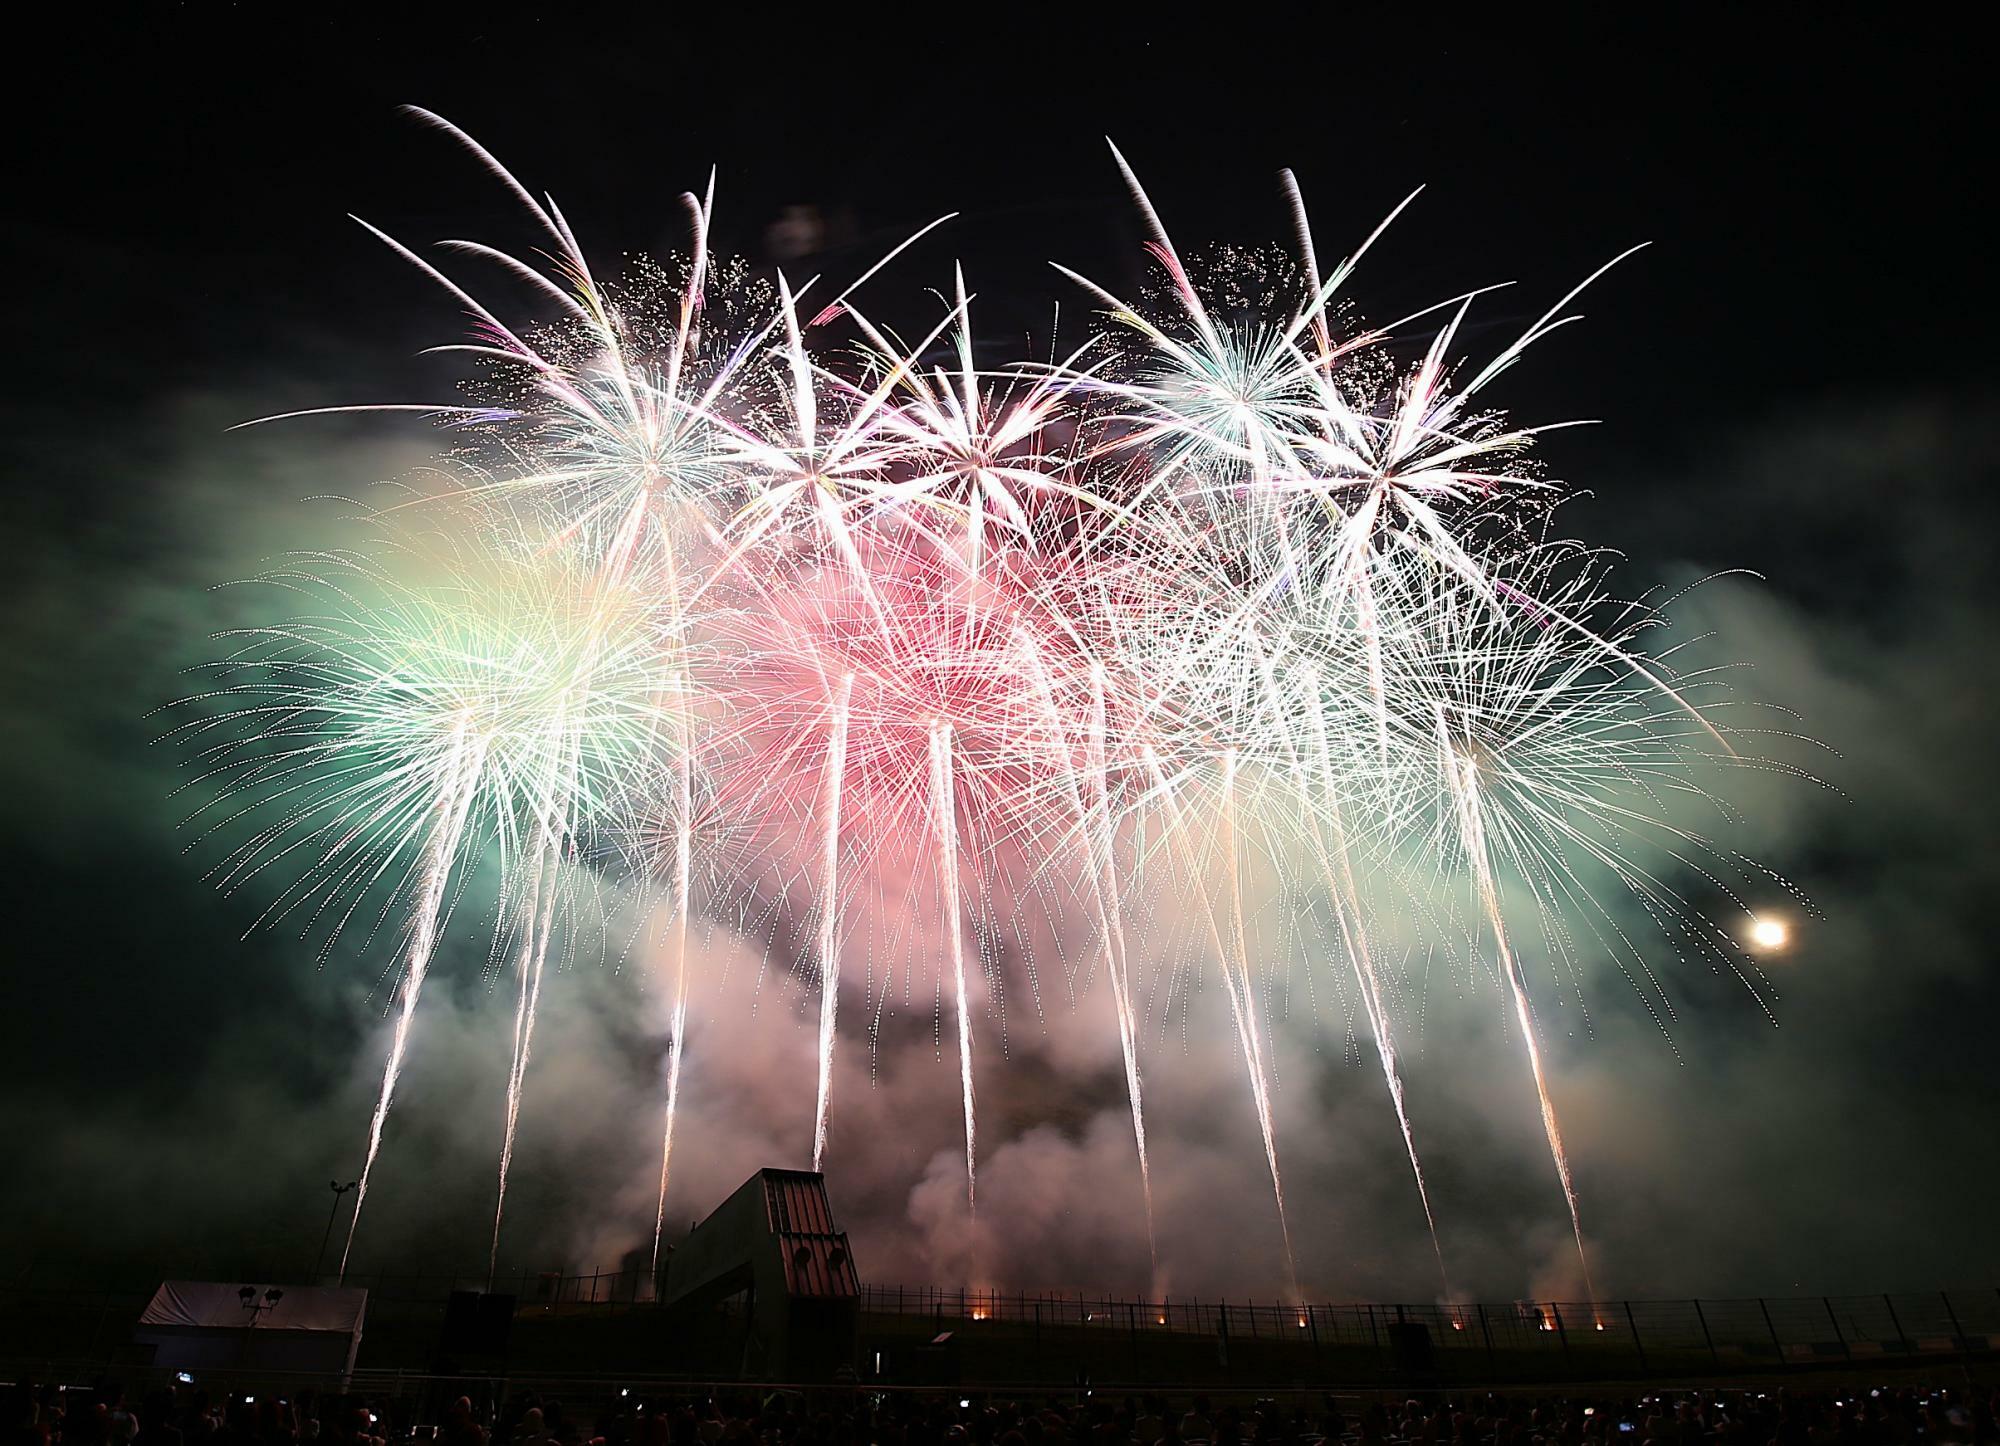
539	919
1106	887
829	918
553	806
1354	936
944	815
453	806
678	933
1346	892
1245	1023
1096	834
1243	1007
537	924
1104	870
1462	773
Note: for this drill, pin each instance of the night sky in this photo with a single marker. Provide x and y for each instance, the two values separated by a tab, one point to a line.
1795	379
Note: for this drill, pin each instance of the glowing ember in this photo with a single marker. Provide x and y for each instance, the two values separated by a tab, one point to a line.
1769	933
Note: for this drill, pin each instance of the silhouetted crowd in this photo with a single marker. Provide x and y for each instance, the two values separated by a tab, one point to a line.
1899	1416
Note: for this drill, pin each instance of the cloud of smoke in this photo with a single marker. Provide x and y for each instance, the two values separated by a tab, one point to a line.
188	1092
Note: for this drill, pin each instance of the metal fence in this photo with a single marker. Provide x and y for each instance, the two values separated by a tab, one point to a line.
1643	1336
608	1321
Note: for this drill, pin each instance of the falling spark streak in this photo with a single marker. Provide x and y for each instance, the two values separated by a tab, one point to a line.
1162	788
1096	831
1104	873
1463	774
539	917
453	806
1354	936
678	933
945	820
1243	1008
829	917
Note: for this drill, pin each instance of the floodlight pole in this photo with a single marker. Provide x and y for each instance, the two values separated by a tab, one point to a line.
338	1191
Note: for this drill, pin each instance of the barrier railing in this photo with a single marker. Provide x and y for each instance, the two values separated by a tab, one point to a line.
1842	1326
1461	1341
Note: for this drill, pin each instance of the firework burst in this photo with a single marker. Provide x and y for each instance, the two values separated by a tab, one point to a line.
876	641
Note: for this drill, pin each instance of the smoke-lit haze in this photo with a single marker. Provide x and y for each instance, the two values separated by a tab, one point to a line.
215	1082
177	1096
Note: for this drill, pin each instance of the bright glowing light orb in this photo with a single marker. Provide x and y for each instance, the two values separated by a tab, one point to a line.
1769	933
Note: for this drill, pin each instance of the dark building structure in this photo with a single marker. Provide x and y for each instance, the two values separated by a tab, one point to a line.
774	1244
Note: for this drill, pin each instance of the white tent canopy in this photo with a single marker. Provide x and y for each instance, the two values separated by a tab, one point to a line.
209	1325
